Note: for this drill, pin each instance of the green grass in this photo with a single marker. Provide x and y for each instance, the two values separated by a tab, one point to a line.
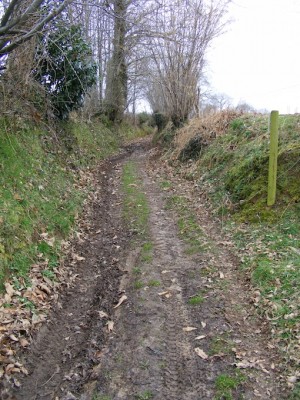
233	171
235	166
196	300
137	271
220	344
146	395
136	210
295	395
90	142
166	184
271	257
101	397
145	364
138	284
154	283
189	230
226	385
146	255
41	190
37	196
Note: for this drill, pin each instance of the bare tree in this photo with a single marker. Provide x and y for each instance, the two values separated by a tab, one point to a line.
178	54
218	101
22	19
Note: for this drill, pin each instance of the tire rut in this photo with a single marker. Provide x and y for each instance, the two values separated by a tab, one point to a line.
147	354
64	350
180	374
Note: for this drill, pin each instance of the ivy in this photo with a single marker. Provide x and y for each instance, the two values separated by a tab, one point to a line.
65	67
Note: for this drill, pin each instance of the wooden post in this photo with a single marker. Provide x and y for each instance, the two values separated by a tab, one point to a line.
273	158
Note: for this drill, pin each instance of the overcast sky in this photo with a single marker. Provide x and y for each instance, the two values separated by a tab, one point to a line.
258	59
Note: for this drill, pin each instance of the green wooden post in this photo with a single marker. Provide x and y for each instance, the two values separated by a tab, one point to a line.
273	158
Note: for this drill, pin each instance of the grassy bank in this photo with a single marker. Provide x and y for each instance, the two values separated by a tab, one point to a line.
231	168
42	189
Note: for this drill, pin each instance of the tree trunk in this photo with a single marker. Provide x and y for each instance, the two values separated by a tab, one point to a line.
116	90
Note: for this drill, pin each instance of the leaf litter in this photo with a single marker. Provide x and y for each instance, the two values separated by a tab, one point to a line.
40	299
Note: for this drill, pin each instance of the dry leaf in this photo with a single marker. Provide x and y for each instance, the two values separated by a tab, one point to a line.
9	292
167	294
24	342
222	276
245	364
189	329
200	337
292	379
201	353
203	324
77	257
14	338
45	288
122	299
103	314
9	289
17	197
110	326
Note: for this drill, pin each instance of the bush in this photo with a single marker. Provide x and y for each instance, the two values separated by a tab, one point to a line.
192	149
160	120
65	67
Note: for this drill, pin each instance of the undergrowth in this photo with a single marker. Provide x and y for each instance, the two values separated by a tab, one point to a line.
233	171
41	193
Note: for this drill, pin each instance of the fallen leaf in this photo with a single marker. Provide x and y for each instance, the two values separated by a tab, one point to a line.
203	324
222	276
200	337
17	383
167	294
245	364
14	338
201	353
17	197
77	257
103	314
9	292
110	326
292	379
44	288
24	342
122	299
189	329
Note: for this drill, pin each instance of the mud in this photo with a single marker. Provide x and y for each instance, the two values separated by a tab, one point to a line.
148	353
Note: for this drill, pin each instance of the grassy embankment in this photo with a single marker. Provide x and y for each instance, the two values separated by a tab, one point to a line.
231	166
42	189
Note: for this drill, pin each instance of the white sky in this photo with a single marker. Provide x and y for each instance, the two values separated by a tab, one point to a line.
258	59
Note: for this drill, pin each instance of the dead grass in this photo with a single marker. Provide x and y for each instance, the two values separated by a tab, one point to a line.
209	127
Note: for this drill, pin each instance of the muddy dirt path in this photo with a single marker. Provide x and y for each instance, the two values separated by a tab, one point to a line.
160	343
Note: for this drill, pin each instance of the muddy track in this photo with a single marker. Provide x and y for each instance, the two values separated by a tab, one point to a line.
62	353
148	354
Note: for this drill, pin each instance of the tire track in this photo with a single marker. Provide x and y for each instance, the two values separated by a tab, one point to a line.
180	374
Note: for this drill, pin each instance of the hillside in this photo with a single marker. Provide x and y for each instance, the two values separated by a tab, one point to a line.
225	156
45	179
